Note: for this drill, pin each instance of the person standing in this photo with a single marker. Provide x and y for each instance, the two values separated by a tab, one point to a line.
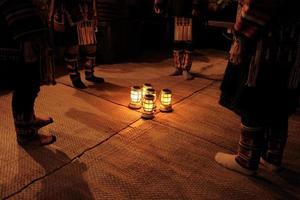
183	12
21	43
261	82
77	20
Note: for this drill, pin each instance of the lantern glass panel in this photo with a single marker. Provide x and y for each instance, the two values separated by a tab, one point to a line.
136	94
166	97
151	91
148	103
145	87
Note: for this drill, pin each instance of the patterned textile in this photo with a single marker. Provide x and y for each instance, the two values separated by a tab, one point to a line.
14	22
277	33
279	47
187	60
89	67
251	16
72	56
71	12
178	55
276	138
24	123
86	33
10	55
22	24
183	29
22	18
76	18
250	147
268	75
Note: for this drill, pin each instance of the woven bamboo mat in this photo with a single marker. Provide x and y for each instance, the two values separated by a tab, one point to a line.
105	151
154	161
81	122
120	77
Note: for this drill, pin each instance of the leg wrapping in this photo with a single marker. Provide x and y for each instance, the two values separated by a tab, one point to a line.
178	59
276	137
250	147
187	60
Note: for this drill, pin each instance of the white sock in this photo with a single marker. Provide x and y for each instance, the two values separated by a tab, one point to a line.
228	161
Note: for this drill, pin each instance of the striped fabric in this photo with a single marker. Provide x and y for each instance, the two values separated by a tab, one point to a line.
178	56
279	48
10	55
187	60
22	18
250	147
253	16
277	138
183	29
23	24
270	24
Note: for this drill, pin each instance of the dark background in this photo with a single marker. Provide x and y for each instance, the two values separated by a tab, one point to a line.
129	28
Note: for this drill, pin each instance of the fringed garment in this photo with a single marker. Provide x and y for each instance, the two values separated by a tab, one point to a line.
76	19
183	29
265	84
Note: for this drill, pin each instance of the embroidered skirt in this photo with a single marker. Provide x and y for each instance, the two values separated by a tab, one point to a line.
183	29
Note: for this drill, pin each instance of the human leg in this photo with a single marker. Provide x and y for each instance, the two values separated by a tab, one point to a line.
89	64
26	88
177	56
71	62
187	64
276	138
251	143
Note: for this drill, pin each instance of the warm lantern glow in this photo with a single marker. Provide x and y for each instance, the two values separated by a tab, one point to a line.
166	100
135	97
152	91
146	86
148	107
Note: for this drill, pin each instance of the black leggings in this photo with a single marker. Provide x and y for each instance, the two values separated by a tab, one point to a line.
26	87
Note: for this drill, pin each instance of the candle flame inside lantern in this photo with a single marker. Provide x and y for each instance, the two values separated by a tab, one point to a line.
146	86
148	103
166	97
166	100
136	97
152	92
136	94
148	106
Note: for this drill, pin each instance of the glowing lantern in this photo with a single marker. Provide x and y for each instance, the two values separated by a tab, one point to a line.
166	100
148	106
135	97
145	87
152	92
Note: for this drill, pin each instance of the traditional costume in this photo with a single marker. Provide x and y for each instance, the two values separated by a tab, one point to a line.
21	45
183	12
77	19
261	82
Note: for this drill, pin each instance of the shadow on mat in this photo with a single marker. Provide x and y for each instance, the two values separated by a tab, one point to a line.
281	184
62	180
214	77
108	87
